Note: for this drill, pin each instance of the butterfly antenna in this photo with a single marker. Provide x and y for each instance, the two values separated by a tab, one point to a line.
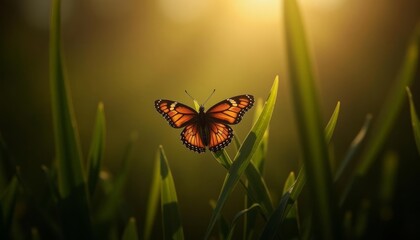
214	90
190	95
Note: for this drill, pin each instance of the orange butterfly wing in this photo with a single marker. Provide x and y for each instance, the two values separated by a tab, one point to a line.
192	139
220	136
231	110
213	132
177	114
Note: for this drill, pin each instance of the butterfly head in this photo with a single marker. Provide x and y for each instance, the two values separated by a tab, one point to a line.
198	106
201	109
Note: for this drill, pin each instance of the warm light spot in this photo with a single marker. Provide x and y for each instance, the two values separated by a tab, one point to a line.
184	10
104	175
270	10
259	10
324	4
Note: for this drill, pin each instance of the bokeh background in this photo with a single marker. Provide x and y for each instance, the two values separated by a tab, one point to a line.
129	53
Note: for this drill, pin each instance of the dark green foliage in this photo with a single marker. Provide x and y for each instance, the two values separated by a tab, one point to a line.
130	232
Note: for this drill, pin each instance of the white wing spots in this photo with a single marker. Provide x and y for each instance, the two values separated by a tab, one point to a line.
172	106
233	102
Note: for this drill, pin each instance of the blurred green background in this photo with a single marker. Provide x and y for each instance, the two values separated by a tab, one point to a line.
130	53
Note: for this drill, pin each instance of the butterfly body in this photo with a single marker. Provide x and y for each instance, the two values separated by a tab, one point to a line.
205	128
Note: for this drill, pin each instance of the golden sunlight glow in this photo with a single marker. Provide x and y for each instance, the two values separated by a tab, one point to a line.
324	4
258	10
184	10
269	10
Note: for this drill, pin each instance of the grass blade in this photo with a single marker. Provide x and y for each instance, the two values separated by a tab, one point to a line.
260	154
112	202
110	206
172	225
290	226
290	197
392	105
7	207
51	180
387	115
256	189
97	148
415	123
329	129
388	185
130	231
354	147
224	227
153	201
242	213
223	158
74	205
68	151
310	125
258	160
286	202
244	155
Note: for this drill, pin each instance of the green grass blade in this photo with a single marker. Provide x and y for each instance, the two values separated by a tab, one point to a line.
260	154
171	218
255	184
329	129
354	147
291	179
236	143
244	155
287	201
130	231
7	207
97	147
196	105
290	226
272	226
351	152
68	151
388	185
153	201
255	180
415	123
111	204
256	188
223	158
392	105
51	180
258	191
224	227
290	197
239	215
315	154
74	205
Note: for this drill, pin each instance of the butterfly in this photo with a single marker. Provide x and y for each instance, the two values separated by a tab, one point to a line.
205	129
